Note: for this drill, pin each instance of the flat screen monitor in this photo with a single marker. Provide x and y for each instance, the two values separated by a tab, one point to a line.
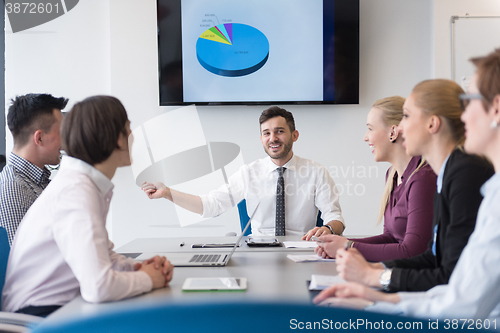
218	52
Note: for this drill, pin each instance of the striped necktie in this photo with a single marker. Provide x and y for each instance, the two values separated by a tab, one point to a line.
280	203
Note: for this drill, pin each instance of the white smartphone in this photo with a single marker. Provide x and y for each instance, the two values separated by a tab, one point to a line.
215	284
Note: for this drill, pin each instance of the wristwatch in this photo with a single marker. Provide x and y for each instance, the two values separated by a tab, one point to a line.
329	227
385	279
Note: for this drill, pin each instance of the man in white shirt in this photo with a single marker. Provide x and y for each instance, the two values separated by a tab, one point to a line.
61	249
307	187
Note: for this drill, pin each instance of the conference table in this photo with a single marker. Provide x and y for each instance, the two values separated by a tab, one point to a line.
270	274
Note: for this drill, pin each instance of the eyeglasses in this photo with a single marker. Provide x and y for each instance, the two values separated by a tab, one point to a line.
466	98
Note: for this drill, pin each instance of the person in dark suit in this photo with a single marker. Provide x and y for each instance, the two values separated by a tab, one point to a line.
455	212
472	291
432	128
407	201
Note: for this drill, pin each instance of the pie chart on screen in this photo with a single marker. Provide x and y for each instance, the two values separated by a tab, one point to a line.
232	49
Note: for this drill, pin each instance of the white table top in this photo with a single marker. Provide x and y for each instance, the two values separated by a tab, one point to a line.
172	245
270	275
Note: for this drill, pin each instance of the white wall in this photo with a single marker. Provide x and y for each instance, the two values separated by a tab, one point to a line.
395	54
443	11
68	56
109	46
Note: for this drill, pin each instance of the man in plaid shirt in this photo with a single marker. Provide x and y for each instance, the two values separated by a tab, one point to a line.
34	121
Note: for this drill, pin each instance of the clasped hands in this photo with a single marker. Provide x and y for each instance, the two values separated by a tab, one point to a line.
329	245
159	269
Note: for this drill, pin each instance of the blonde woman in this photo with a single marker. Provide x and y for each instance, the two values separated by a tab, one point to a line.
472	292
432	128
407	200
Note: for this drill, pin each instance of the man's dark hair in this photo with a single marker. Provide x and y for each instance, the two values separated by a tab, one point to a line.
90	131
30	113
275	111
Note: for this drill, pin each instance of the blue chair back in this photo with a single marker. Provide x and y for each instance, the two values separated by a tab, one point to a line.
241	317
4	257
242	210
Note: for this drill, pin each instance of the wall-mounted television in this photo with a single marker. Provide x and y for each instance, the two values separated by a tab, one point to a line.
218	52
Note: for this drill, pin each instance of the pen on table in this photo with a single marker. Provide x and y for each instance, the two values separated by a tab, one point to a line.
317	240
182	244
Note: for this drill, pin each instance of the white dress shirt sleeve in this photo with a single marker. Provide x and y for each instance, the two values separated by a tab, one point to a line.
327	197
472	292
81	236
227	196
120	262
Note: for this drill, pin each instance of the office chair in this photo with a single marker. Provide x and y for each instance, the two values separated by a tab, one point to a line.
242	210
241	317
12	322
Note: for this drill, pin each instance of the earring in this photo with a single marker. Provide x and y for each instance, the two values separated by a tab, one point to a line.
493	124
392	140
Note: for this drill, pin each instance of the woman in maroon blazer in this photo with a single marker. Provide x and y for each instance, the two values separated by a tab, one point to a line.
432	128
407	200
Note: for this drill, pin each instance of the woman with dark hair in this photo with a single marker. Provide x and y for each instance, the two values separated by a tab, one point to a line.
61	248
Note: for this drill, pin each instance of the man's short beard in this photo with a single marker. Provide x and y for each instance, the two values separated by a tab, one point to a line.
287	147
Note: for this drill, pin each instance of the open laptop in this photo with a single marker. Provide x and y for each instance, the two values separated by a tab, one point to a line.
192	259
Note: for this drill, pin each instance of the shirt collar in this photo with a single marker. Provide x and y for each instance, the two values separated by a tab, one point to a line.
290	165
491	184
28	169
441	175
100	180
412	165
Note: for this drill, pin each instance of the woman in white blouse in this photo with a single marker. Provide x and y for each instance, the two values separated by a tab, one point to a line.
472	291
61	248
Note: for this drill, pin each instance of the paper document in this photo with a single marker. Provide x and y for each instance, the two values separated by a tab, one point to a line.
301	244
308	258
320	282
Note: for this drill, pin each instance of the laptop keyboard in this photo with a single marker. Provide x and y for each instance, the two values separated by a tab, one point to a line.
205	258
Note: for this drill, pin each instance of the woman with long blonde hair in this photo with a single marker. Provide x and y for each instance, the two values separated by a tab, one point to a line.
472	292
406	205
431	128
